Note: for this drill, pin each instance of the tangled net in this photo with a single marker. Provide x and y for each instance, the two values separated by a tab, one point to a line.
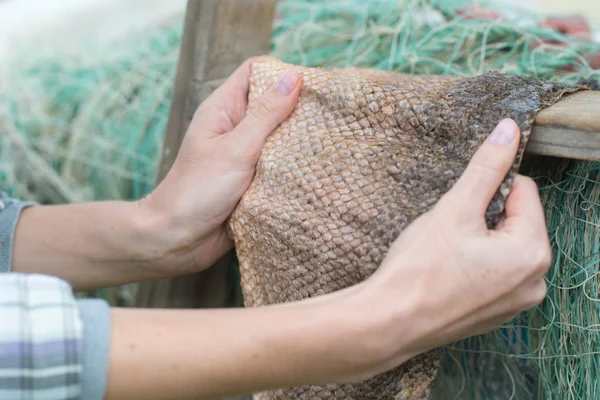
89	125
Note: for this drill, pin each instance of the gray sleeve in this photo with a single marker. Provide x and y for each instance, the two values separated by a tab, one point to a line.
10	211
95	316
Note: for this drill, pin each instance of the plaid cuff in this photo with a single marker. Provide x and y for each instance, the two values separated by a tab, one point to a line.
10	211
40	339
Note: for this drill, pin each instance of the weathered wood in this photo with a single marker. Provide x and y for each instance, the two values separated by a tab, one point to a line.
579	110
569	129
218	36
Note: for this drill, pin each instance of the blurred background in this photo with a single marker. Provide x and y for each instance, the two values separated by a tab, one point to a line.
65	22
34	22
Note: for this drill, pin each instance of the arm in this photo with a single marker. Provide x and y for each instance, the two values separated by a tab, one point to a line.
90	245
210	354
168	354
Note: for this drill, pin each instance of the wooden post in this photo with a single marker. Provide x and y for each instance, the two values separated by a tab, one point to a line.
218	36
570	128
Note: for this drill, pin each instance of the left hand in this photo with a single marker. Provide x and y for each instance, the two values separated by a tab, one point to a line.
214	168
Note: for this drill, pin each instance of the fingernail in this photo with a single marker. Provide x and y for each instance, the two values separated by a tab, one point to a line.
504	133
287	82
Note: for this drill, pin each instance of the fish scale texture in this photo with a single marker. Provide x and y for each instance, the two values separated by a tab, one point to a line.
363	154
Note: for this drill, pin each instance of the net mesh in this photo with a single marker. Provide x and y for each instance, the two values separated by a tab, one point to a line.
88	124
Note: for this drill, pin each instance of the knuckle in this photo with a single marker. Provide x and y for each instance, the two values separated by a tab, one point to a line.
535	254
484	168
537	294
200	111
545	260
541	259
242	156
265	109
526	183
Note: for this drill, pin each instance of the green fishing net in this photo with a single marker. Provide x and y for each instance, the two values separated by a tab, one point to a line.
88	124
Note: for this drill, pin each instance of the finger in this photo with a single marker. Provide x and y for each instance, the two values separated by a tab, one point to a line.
499	322
487	169
537	294
528	296
524	211
226	106
500	223
270	110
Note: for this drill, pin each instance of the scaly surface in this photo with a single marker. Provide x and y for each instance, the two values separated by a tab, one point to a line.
364	153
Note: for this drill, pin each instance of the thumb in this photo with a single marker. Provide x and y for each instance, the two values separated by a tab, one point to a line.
488	168
271	109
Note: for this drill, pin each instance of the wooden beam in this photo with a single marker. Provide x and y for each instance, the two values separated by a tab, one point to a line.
218	36
568	129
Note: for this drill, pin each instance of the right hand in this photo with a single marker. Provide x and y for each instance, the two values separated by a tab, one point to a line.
448	275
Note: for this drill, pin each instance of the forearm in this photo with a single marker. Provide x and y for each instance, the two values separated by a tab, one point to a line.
90	245
209	354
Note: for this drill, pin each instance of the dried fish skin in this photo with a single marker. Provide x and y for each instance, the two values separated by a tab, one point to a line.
363	154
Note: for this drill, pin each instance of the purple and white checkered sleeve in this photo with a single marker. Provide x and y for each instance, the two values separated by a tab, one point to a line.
52	346
41	339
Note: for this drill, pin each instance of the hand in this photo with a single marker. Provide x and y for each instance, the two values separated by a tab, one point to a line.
215	167
451	277
445	278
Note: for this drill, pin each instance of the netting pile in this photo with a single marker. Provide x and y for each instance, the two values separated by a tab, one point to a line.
86	123
89	125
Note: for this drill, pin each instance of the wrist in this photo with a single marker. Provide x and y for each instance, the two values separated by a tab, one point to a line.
361	333
390	324
156	239
91	245
327	339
